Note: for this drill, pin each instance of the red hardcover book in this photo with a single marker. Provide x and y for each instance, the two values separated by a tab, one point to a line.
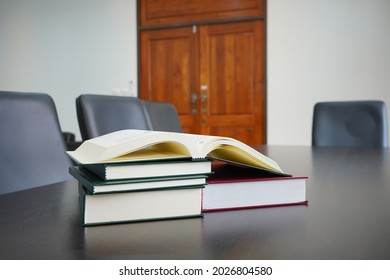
234	187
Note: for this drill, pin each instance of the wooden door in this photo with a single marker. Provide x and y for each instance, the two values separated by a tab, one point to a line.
214	74
169	71
232	83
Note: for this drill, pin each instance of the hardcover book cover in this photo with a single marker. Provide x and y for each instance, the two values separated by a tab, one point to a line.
234	187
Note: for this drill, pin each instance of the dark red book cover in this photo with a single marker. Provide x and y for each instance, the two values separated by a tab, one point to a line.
233	187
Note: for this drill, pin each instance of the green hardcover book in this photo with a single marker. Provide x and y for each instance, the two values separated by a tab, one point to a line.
125	207
95	185
149	169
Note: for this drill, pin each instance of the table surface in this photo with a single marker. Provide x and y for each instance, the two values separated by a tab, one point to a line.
348	217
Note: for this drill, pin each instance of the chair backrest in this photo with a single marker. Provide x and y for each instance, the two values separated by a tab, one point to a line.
32	148
163	116
350	123
100	114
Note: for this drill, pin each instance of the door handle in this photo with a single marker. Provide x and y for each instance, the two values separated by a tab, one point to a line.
203	98
194	98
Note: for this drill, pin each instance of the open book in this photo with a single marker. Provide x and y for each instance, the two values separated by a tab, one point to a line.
144	145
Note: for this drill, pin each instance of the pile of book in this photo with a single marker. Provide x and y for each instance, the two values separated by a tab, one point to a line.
137	175
139	191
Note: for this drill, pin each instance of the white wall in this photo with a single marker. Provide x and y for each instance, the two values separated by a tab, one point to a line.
66	48
317	50
323	50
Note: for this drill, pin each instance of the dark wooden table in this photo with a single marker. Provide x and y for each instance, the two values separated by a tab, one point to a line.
348	217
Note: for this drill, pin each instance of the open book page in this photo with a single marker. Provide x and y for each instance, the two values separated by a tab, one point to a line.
131	145
244	156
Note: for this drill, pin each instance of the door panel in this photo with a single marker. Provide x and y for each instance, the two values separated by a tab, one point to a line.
214	77
232	78
158	12
169	70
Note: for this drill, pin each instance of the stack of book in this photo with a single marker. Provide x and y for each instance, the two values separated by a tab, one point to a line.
124	193
137	175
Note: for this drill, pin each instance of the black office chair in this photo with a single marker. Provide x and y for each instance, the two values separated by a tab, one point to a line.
32	148
102	114
350	123
163	116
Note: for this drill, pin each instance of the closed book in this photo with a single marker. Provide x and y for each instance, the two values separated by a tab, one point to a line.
149	169
95	185
112	208
232	187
